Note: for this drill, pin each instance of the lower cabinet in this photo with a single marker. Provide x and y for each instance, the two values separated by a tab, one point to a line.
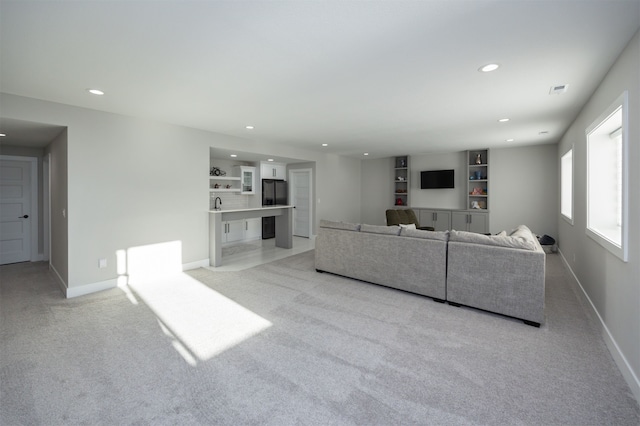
253	229
437	219
242	230
469	221
233	231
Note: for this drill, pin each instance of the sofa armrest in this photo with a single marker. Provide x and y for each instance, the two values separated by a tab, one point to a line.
498	279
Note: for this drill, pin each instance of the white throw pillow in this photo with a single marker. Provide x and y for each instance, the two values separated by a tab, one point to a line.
408	226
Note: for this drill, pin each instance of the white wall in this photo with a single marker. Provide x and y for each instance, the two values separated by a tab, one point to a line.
523	189
377	190
338	188
450	198
612	285
59	227
134	182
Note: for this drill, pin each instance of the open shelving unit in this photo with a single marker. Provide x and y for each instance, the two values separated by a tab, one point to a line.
478	179
223	181
401	184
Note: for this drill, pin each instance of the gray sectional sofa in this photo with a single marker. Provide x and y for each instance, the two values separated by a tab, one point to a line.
499	273
415	261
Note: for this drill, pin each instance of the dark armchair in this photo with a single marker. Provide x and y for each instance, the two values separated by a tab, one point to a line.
404	217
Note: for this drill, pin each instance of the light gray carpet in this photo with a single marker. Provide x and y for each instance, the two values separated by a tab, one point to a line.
337	352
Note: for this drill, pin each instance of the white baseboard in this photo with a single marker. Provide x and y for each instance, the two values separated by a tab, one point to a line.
56	274
621	361
204	263
91	288
71	292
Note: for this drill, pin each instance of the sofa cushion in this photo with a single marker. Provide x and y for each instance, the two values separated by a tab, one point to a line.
517	241
374	229
339	225
428	235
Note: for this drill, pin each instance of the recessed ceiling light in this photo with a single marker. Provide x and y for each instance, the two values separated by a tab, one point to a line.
270	159
95	92
503	120
544	132
510	140
325	144
2	135
366	153
489	67
248	127
234	155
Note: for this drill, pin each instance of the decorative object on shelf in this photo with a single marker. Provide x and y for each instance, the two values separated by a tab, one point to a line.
478	159
401	191
475	205
477	191
228	186
399	202
403	163
401	179
215	171
216	186
478	174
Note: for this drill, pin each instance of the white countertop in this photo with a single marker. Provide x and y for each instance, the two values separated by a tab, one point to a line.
280	206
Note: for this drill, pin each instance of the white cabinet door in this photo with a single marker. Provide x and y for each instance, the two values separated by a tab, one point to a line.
472	222
273	171
234	230
247	175
443	221
478	222
281	171
437	219
459	221
253	229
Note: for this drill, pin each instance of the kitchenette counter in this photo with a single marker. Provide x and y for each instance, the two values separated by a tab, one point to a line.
255	209
284	226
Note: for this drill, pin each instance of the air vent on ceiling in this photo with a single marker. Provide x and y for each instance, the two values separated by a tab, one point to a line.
559	89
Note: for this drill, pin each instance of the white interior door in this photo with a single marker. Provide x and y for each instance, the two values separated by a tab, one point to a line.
15	216
300	188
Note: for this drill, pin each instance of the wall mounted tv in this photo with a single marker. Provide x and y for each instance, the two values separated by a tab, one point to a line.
433	179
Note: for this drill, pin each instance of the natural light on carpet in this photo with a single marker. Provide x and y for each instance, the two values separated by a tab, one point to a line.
203	322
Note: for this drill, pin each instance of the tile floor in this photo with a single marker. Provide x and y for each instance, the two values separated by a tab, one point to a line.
249	254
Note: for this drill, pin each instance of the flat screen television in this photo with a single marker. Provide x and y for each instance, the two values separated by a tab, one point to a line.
434	179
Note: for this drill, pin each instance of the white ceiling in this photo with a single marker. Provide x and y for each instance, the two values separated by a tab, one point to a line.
385	77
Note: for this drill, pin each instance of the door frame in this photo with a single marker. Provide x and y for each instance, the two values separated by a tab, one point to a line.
310	173
33	214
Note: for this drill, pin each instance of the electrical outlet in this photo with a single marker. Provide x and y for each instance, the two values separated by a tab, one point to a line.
102	263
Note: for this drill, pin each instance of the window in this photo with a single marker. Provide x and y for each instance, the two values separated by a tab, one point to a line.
566	186
607	179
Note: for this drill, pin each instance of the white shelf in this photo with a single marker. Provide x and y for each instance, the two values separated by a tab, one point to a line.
224	189
224	177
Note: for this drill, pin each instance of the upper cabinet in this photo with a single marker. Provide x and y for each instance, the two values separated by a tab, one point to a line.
247	175
273	171
478	179
401	174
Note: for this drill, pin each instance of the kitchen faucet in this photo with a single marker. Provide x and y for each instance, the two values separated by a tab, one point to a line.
215	204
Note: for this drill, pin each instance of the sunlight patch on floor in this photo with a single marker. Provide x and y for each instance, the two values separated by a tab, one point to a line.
202	322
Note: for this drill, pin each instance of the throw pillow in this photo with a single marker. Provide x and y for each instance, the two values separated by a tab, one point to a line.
408	226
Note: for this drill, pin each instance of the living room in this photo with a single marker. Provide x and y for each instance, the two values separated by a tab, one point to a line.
129	179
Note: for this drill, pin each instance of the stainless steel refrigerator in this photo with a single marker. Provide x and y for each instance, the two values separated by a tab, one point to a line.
274	192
